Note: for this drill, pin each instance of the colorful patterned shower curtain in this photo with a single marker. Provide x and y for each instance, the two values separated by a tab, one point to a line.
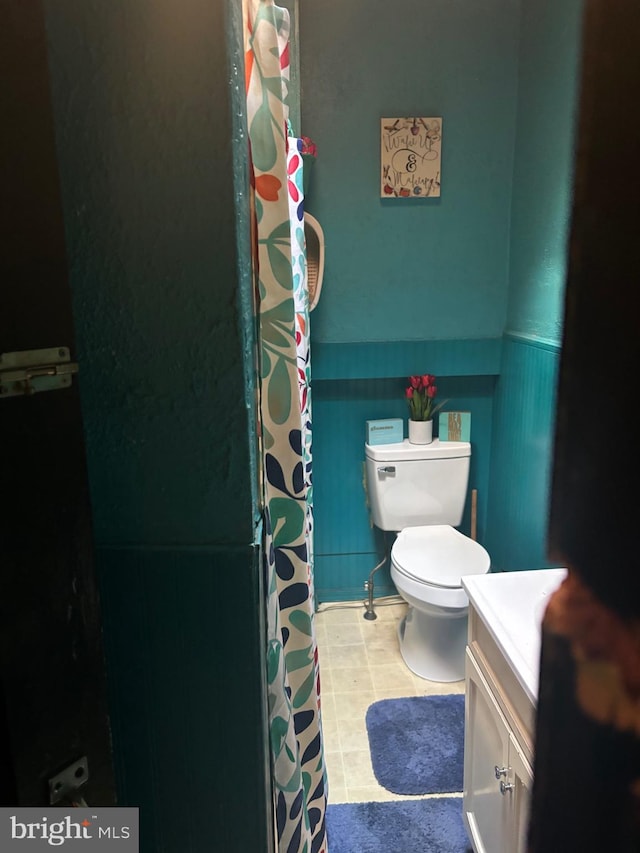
298	769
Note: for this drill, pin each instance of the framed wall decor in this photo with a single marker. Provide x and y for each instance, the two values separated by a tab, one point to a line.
410	151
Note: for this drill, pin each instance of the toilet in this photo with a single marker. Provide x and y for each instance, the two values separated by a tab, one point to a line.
418	491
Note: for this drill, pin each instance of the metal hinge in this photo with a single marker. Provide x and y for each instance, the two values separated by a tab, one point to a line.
64	785
35	370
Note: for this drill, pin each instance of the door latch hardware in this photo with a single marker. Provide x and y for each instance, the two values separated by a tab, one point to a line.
506	787
66	783
35	370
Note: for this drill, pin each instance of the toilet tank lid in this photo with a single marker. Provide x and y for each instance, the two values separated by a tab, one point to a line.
405	451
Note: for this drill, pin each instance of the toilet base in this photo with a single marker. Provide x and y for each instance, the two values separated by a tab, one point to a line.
433	647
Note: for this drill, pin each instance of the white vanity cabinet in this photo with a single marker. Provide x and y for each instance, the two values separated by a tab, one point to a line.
498	776
501	671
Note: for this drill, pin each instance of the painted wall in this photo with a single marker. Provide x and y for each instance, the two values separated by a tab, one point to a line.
136	123
525	394
549	45
347	546
522	444
411	286
411	269
150	182
403	277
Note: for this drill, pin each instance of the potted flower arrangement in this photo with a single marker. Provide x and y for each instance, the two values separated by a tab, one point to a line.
421	395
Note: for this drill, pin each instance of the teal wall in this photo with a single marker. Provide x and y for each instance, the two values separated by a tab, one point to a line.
152	168
522	444
411	269
549	46
347	546
410	286
524	423
434	285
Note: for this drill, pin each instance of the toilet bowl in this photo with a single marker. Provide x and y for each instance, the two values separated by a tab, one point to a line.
420	490
427	564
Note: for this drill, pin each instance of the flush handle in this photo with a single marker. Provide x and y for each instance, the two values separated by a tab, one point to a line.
387	469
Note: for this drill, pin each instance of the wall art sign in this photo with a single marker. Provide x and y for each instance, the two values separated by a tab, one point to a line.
410	151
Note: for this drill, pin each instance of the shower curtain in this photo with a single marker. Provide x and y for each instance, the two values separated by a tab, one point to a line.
298	769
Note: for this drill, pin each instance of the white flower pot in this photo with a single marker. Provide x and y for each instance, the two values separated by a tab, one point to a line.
420	432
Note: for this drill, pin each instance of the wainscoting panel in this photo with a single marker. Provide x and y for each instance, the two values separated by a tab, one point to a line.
521	455
347	546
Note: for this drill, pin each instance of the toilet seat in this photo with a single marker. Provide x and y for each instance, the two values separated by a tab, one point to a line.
438	556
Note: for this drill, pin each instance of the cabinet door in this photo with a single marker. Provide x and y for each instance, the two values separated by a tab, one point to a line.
487	811
522	780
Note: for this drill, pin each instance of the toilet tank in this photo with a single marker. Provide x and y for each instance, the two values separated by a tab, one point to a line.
409	485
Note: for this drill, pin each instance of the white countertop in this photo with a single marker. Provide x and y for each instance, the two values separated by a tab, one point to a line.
512	604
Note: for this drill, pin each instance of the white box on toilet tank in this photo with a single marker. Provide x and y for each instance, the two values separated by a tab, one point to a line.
410	485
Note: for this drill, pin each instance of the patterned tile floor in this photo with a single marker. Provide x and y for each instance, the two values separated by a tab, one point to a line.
360	662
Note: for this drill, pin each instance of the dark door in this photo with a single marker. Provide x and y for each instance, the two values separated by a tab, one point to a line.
586	795
52	675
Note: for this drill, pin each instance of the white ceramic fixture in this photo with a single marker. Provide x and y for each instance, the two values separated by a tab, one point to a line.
419	492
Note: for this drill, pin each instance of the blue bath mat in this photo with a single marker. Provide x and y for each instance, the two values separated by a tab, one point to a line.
405	826
417	743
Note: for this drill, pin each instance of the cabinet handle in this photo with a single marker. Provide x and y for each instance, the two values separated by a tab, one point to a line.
506	786
501	771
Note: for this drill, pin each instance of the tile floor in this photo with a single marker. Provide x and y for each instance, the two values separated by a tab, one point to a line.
360	662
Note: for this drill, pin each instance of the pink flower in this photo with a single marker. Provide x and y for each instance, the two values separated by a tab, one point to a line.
431	391
416	381
409	393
